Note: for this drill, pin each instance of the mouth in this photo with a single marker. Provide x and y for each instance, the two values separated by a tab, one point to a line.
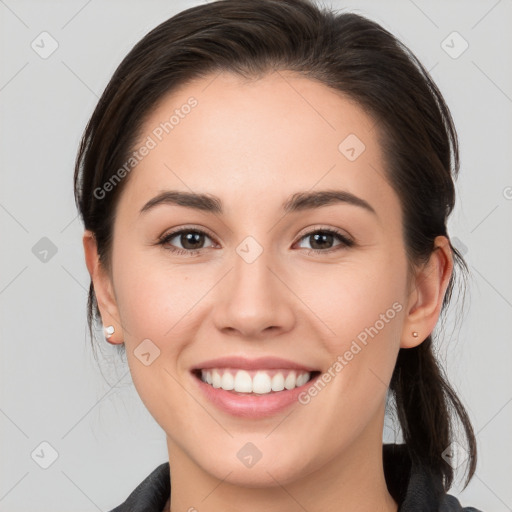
253	388
255	382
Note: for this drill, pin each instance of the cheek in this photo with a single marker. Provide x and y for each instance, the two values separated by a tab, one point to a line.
363	306
156	309
153	299
354	297
158	305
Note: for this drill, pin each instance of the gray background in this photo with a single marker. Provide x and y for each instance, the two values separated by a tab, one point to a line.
104	440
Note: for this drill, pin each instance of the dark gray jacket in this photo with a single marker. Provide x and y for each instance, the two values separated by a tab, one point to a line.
410	485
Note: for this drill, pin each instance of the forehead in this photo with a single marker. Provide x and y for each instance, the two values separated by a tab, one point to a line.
270	137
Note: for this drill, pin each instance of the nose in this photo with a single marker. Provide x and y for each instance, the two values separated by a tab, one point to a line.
254	300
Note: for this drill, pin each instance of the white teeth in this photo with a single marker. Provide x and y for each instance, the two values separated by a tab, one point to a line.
228	381
290	381
216	379
278	382
243	382
301	379
260	382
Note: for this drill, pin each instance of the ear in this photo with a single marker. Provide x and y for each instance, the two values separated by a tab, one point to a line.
426	294
103	288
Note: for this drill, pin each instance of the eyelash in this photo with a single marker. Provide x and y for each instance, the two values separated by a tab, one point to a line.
345	242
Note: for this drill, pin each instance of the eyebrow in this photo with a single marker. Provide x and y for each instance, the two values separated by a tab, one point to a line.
299	201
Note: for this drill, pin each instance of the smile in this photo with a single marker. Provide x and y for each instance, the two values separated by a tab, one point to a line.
259	382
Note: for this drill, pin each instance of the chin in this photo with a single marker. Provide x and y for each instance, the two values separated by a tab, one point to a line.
271	472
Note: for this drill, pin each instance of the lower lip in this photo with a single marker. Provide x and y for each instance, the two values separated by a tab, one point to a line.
252	405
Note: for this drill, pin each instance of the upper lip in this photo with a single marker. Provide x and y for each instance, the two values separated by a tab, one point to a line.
260	363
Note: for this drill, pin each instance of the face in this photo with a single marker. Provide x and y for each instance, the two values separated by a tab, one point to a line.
319	286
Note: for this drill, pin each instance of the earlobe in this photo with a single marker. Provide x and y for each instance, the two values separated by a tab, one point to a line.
427	293
103	290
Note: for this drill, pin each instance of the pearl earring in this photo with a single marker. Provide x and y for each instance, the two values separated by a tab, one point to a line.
415	334
109	330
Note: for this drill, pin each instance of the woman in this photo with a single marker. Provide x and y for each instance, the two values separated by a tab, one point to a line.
231	137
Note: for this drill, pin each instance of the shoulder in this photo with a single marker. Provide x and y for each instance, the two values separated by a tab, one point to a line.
151	494
414	487
451	504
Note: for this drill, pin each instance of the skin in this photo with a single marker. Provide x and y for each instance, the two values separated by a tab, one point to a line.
253	144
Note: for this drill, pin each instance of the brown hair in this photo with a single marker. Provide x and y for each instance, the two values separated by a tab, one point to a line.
346	52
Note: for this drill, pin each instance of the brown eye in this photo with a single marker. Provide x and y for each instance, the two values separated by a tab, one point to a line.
322	240
191	241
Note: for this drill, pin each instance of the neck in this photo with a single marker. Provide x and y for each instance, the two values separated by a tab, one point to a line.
353	481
